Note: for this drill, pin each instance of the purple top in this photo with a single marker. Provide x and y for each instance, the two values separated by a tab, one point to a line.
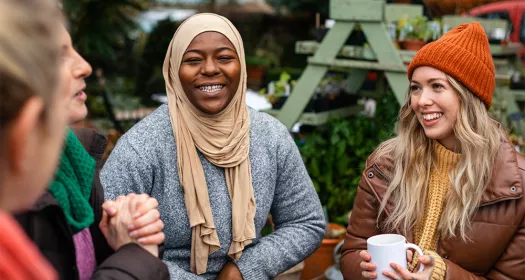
85	252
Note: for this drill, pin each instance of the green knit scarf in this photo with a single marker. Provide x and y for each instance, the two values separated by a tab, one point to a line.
73	183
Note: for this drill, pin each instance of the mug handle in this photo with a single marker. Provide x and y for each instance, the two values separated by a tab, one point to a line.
415	247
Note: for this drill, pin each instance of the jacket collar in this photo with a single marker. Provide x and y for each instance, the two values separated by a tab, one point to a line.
506	182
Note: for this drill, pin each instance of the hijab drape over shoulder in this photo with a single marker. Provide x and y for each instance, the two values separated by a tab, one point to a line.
222	138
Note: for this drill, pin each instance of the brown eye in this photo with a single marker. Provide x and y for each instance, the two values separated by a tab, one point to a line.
437	86
414	88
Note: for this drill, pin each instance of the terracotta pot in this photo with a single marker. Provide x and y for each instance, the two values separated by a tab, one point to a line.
322	258
413	45
255	75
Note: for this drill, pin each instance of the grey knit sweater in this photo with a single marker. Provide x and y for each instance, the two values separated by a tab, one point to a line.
145	161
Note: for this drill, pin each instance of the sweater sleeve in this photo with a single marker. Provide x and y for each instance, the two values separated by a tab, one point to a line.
440	267
297	216
125	171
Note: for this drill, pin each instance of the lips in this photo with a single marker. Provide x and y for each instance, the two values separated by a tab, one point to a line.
80	95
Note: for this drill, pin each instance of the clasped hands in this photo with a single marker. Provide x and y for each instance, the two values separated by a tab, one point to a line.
133	218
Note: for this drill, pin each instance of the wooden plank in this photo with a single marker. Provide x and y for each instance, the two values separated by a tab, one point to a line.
357	10
359	64
395	12
313	74
311	118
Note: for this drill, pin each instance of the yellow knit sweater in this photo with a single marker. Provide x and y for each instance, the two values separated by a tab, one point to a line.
426	234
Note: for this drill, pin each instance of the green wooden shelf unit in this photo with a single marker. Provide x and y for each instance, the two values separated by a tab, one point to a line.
330	54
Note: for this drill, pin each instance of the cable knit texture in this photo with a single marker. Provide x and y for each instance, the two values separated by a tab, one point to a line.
426	234
463	53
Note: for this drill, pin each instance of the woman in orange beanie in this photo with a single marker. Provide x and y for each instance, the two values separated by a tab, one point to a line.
450	181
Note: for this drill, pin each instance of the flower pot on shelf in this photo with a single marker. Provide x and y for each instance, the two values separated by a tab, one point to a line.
322	258
255	75
277	102
413	45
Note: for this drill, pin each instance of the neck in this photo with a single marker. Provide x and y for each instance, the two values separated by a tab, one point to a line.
451	143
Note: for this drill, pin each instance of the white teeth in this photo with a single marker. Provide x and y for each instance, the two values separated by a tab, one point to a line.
213	88
434	116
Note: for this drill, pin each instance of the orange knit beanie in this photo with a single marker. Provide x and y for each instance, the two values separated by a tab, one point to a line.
464	54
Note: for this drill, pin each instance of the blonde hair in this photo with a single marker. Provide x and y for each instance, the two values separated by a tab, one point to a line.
29	54
412	155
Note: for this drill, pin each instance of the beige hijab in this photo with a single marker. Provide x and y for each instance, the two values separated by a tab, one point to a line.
222	138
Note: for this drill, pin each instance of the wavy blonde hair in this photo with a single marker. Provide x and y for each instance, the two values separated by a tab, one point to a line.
479	137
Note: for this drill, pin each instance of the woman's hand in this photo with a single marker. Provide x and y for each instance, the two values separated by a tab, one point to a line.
146	225
369	269
428	261
116	228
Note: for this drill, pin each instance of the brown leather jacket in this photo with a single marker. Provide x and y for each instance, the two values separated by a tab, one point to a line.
497	247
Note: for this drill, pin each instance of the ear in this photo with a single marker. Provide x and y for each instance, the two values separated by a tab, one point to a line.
21	134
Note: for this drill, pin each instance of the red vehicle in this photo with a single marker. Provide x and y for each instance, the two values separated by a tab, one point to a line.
513	12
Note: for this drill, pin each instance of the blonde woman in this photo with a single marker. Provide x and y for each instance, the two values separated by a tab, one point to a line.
450	181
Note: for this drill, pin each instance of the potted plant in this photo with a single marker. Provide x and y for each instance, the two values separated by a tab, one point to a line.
322	258
413	32
277	91
255	68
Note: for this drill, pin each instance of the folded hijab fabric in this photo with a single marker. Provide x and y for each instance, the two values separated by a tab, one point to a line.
222	138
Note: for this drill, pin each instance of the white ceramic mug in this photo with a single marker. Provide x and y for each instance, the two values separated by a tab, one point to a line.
389	248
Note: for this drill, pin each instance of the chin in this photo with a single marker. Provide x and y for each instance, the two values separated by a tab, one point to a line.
78	116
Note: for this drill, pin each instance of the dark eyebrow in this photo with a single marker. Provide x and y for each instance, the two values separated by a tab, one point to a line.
195	51
217	50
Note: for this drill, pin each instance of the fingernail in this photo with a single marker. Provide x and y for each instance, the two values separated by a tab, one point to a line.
142	240
131	226
138	214
111	210
133	234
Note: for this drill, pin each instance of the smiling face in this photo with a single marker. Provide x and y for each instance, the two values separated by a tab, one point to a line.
436	105
210	72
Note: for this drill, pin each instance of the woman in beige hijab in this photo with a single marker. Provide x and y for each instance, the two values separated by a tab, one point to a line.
217	167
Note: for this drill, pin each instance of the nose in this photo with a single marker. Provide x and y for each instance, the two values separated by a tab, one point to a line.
425	98
209	67
81	68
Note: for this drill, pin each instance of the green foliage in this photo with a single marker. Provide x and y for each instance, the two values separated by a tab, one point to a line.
100	30
414	28
280	86
257	60
335	156
149	79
